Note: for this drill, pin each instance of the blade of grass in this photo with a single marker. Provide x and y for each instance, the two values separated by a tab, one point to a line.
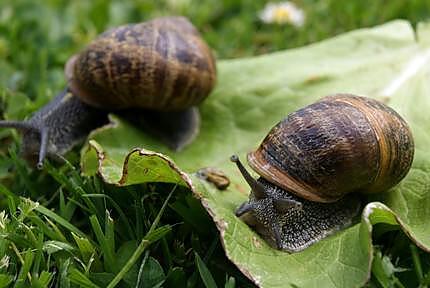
166	253
417	263
44	227
73	182
110	233
109	254
24	272
38	254
152	236
21	169
85	247
211	249
60	220
63	272
58	232
206	257
426	280
30	235
139	275
205	274
148	240
66	210
11	205
230	282
43	280
5	280
121	213
158	217
5	191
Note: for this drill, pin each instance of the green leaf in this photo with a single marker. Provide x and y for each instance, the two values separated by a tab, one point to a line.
176	278
389	63
101	278
122	256
138	166
153	274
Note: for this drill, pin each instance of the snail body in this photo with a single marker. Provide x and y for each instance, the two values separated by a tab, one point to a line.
313	163
153	73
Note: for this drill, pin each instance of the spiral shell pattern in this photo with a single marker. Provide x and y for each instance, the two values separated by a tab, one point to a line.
162	64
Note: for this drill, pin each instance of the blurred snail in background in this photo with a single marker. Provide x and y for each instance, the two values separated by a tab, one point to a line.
313	163
154	73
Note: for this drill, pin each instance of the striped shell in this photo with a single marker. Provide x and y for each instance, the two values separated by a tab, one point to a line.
338	145
162	64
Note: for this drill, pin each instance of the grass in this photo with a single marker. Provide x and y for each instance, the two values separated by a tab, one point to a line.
94	235
59	229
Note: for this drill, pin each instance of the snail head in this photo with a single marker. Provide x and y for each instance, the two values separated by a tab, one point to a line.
264	205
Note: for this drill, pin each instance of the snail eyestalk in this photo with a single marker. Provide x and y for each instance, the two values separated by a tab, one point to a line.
256	187
20	125
25	126
260	191
284	205
244	208
44	133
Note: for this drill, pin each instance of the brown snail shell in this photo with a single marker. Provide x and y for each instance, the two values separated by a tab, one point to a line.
338	145
161	64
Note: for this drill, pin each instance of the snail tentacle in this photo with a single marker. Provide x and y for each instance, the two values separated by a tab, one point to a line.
44	139
19	125
257	189
282	205
243	209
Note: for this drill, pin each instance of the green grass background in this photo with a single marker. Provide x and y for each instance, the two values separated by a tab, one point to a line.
36	39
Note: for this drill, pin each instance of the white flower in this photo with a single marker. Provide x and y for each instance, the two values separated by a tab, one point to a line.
281	13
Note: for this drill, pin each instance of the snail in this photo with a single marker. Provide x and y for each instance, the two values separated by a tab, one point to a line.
155	73
314	164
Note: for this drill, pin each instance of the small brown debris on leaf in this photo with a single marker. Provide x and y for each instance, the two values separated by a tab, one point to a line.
214	176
